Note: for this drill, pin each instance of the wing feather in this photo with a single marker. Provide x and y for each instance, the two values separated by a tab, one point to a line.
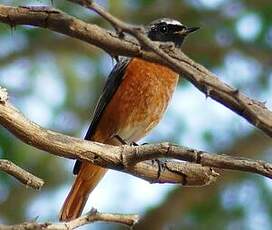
114	80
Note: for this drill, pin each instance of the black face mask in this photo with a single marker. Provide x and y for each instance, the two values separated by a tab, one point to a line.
169	30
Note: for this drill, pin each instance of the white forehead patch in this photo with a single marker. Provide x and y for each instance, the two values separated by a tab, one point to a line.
171	21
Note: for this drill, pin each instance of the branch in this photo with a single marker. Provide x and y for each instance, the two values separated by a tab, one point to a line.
174	208
7	166
93	216
131	159
168	150
20	174
101	154
253	111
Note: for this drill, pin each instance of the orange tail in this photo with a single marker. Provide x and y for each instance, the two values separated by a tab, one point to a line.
86	180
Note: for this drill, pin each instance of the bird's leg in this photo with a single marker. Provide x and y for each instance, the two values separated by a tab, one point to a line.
124	142
121	140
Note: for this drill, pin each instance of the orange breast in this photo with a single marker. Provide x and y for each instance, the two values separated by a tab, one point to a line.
139	103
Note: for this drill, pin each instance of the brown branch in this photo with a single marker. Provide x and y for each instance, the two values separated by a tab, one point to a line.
253	111
183	153
131	159
124	158
174	208
58	21
100	154
202	78
221	161
20	174
93	216
7	166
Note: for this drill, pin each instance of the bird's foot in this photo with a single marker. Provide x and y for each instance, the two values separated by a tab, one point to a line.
160	167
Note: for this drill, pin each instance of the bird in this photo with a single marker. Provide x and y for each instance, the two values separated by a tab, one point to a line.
133	101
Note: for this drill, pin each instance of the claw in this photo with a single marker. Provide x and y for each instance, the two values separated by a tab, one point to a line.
160	165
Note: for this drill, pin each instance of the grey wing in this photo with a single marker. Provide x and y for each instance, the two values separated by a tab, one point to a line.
111	85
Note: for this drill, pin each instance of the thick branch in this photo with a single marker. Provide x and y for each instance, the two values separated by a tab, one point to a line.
253	111
20	174
130	159
93	216
100	154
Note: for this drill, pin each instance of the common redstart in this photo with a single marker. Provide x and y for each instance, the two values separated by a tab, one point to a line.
134	99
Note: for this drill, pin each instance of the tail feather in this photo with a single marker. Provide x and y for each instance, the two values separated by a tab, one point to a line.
88	177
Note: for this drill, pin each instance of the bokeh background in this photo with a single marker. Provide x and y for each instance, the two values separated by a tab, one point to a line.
55	81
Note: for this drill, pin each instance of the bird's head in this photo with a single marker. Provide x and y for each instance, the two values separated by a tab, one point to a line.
169	30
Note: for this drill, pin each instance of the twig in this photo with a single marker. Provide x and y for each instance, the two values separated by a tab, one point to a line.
20	174
93	216
100	154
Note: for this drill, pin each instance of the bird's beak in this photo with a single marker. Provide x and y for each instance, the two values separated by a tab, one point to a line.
187	30
191	30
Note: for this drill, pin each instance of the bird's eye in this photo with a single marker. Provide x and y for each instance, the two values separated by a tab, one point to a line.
163	29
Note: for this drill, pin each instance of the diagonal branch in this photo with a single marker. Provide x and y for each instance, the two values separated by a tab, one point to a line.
253	111
20	174
58	21
131	159
52	19
93	216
